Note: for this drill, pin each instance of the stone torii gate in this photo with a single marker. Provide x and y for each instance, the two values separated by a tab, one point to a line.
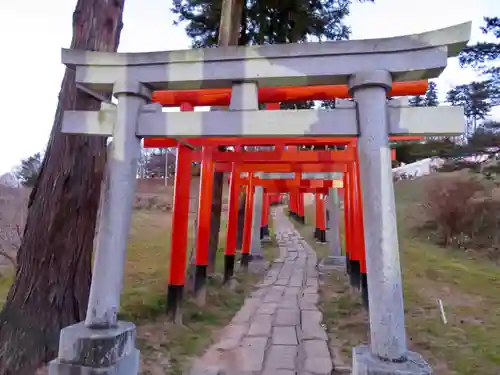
104	345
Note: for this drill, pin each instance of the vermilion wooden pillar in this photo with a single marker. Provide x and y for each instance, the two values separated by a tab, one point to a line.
179	242
347	221
361	234
347	234
203	228
355	275
232	223
264	227
247	230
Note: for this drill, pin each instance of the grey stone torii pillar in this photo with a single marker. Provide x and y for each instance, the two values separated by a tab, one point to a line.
105	346
256	251
102	341
335	257
388	335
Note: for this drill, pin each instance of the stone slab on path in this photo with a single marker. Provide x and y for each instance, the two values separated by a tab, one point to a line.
279	328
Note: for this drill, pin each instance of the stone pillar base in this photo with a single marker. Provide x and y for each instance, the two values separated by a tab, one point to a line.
338	261
365	363
85	351
331	263
321	236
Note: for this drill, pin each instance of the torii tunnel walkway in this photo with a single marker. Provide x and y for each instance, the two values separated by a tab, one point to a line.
369	71
278	330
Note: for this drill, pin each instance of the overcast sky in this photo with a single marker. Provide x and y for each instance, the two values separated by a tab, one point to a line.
32	32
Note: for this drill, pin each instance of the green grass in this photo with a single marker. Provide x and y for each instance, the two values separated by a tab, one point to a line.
468	286
144	302
165	347
5	282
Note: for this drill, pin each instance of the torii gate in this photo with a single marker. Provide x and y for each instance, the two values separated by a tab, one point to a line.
251	241
254	206
368	67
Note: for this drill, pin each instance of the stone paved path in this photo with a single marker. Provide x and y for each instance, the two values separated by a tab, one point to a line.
278	330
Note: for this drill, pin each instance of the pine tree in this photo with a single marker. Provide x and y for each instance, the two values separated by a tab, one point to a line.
475	98
481	56
416	101
268	22
429	99
28	171
431	95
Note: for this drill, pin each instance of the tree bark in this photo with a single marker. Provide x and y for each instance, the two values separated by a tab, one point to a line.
52	281
229	35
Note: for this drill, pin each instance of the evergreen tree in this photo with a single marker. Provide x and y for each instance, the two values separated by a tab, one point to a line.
475	98
487	135
431	95
29	170
268	22
429	99
481	56
417	101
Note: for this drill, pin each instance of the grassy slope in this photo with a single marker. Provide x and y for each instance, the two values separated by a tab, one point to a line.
469	289
167	348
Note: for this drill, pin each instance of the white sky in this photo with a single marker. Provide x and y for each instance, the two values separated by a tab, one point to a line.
32	32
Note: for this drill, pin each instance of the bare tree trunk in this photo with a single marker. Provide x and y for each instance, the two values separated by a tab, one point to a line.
52	281
229	35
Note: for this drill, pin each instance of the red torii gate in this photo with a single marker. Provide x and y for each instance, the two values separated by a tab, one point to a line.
187	100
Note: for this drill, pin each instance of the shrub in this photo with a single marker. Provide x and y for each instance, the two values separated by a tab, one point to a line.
452	165
464	211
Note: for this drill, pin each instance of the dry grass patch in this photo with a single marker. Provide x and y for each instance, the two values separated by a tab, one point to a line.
467	284
167	348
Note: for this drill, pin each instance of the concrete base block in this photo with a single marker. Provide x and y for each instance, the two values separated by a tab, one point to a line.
365	363
85	351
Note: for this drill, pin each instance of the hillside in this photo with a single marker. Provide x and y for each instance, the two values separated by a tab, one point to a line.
466	281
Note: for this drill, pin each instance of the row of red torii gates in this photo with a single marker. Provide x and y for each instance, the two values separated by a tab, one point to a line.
246	77
276	155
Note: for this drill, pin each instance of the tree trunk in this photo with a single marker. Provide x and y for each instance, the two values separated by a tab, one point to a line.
229	32
52	281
